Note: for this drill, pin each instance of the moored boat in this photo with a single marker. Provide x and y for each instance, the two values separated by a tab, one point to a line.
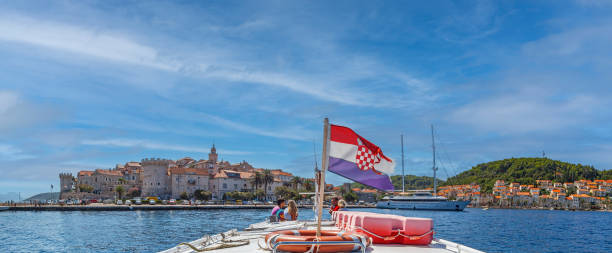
421	199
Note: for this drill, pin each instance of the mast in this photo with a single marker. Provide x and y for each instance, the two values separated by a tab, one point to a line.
324	165
433	146
403	174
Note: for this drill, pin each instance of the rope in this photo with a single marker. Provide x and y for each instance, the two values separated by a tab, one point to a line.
222	244
399	233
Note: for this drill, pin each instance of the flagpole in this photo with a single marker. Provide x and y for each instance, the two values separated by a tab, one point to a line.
322	177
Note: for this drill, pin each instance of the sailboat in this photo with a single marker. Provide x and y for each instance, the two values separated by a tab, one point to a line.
422	199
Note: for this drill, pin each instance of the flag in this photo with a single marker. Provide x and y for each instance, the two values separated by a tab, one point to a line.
355	158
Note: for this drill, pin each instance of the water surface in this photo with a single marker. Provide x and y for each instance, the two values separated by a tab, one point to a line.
493	230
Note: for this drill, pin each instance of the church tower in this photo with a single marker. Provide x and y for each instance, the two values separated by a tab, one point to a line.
213	154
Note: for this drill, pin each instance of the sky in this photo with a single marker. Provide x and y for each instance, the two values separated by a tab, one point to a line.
89	84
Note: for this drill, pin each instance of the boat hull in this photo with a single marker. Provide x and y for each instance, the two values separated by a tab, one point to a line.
424	205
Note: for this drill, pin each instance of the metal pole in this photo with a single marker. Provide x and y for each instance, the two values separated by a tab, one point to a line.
323	169
433	146
403	174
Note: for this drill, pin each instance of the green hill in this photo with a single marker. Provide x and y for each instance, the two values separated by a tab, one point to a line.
526	171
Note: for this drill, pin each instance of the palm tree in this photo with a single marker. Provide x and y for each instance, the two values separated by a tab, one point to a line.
296	182
308	185
119	189
267	178
256	180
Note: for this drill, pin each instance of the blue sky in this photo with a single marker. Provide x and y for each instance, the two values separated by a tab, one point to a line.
88	84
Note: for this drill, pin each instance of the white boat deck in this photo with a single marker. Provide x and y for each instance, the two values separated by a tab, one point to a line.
252	240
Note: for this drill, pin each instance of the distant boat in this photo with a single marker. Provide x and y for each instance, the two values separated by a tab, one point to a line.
4	208
485	208
422	199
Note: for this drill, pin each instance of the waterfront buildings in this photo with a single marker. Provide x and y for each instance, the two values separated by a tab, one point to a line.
166	179
577	195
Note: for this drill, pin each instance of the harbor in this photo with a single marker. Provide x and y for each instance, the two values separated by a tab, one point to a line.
106	231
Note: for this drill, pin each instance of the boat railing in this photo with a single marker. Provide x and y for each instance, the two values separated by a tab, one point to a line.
360	244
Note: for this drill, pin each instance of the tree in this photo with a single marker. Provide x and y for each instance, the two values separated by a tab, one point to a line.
119	189
133	192
86	188
267	178
202	194
259	193
350	197
296	182
184	195
286	192
257	180
308	185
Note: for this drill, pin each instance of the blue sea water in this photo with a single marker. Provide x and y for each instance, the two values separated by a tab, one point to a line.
494	230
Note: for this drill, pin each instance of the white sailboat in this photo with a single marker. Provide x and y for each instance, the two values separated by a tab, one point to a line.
422	199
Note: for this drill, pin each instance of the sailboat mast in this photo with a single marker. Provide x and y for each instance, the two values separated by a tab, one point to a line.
433	146
403	174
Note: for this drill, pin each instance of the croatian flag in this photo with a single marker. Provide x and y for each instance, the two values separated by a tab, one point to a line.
355	158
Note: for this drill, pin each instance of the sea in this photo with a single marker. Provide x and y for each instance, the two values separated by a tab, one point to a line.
493	230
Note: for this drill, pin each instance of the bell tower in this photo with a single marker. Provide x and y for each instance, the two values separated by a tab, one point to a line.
213	154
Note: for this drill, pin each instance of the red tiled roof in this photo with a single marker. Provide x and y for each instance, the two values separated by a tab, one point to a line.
85	173
109	172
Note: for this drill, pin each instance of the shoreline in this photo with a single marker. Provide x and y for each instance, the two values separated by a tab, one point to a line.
110	207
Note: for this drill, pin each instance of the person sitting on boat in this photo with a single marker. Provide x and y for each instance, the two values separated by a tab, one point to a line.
278	214
342	205
291	212
334	205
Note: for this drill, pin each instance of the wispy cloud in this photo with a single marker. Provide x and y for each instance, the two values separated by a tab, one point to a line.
130	143
80	40
11	153
294	133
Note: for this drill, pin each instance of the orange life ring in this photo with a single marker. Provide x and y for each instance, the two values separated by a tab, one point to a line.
311	235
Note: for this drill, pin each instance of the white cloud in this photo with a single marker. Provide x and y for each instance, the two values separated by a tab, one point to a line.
11	153
80	40
289	133
127	143
522	113
7	101
116	47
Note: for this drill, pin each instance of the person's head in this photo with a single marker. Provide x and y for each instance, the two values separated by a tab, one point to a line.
292	206
342	203
280	203
335	201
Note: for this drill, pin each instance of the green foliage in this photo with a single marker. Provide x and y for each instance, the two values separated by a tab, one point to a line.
260	194
308	186
86	188
119	189
286	193
236	195
525	171
134	192
350	197
184	195
202	195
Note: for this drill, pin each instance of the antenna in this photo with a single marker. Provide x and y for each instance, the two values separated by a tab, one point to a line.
314	151
433	146
403	174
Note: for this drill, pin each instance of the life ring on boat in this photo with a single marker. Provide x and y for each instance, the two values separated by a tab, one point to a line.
272	240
